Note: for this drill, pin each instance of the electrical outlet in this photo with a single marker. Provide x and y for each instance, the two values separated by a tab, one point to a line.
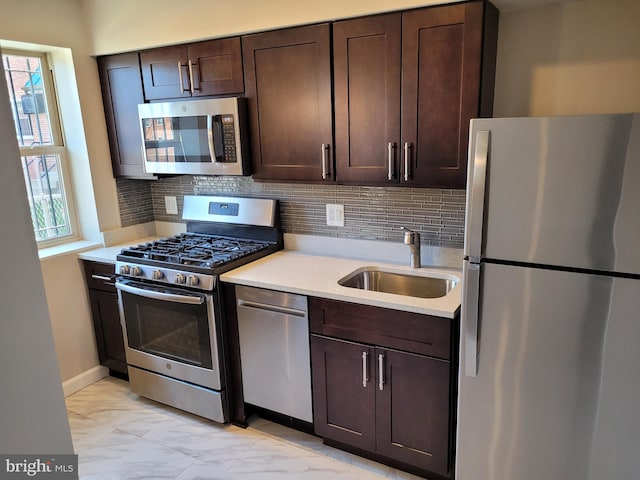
335	215
171	205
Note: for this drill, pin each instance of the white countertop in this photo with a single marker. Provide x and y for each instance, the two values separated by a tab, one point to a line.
317	275
303	268
108	254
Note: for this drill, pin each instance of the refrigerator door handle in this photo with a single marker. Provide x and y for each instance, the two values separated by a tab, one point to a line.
475	203
470	316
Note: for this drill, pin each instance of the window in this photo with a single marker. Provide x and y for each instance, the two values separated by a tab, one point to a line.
42	150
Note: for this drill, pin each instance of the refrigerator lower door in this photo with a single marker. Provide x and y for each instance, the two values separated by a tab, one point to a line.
544	402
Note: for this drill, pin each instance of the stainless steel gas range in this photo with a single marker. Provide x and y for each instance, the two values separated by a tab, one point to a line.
170	301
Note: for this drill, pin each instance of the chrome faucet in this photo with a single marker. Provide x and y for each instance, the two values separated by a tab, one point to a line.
412	239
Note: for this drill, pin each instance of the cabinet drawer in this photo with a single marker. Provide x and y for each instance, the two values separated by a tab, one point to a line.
412	332
100	276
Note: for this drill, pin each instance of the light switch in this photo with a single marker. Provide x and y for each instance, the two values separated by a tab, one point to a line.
335	215
171	205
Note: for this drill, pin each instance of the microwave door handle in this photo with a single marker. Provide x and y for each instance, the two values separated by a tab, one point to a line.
215	136
212	153
170	297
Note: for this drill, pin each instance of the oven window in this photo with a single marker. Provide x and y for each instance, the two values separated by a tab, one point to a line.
171	330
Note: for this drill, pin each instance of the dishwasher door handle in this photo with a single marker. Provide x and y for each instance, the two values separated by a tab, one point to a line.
271	308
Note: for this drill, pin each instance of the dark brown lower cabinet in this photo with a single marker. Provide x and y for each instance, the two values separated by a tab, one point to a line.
384	384
393	403
412	409
343	392
106	321
106	316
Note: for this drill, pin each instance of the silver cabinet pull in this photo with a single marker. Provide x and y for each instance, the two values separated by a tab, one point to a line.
326	171
391	147
365	370
182	89
381	371
104	278
192	84
407	146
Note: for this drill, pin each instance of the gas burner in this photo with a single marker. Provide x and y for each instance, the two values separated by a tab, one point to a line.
206	251
222	233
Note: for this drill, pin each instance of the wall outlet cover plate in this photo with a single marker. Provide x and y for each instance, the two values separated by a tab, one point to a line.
335	215
171	205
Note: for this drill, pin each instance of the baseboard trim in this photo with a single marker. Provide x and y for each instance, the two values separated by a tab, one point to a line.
84	380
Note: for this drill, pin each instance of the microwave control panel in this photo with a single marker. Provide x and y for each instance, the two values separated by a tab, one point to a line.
224	138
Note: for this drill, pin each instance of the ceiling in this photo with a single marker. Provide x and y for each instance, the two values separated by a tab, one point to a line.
517	4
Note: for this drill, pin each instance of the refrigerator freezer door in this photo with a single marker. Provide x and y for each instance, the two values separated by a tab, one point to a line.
531	412
560	191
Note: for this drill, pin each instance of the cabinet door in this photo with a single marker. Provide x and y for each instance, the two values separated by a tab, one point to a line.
343	391
288	88
441	75
413	409
121	93
106	322
216	67
162	76
367	57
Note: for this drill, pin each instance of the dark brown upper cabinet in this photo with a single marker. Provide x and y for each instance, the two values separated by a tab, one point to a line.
367	72
406	86
121	93
213	67
288	89
448	70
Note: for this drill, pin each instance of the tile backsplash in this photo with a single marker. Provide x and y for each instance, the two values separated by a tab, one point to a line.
371	213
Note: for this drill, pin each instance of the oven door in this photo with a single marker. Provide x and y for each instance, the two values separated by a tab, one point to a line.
170	331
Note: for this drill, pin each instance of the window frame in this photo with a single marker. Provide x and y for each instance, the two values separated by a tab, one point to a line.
57	147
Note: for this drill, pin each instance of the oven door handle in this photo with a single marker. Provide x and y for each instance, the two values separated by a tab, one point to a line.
170	297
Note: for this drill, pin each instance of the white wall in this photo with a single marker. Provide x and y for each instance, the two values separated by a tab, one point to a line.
122	25
573	58
70	313
33	418
59	24
568	58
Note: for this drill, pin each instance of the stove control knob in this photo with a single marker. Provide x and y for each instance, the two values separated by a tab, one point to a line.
124	270
180	278
136	271
192	280
157	275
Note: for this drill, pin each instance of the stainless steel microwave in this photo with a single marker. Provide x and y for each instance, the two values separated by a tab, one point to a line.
195	137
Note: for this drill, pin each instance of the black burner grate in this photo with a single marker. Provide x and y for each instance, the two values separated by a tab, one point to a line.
206	251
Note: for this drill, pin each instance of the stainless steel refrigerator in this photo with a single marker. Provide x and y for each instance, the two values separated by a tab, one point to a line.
549	384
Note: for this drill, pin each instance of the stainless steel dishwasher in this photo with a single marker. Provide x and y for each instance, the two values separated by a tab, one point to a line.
274	351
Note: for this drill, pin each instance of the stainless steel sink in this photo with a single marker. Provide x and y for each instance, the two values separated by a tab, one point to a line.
422	286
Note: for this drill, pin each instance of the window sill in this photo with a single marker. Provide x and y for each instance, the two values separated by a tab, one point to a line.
66	249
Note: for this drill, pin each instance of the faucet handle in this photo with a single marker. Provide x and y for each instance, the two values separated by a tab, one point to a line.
410	237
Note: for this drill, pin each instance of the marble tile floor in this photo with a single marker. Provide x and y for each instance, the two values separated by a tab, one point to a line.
119	435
